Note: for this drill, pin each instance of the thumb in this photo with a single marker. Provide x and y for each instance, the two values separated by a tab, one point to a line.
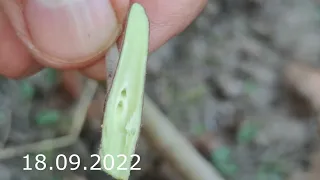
66	33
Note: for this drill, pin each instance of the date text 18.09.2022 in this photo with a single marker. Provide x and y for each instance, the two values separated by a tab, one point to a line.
61	162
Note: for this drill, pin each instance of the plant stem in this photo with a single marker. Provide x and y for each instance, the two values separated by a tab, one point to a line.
122	118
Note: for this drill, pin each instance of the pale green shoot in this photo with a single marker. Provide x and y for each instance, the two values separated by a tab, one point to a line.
122	118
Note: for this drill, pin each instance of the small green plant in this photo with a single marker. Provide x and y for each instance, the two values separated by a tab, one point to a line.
272	171
247	132
52	76
27	90
222	160
47	117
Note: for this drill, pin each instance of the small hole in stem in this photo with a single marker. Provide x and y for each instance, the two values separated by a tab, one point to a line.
124	93
120	106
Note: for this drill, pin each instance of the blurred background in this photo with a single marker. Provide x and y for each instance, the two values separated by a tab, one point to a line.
241	85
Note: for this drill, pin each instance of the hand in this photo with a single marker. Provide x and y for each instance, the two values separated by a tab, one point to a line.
76	34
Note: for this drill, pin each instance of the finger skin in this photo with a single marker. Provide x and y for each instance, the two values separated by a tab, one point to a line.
95	29
96	71
15	60
167	19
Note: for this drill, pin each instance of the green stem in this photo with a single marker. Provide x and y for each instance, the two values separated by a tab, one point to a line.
122	118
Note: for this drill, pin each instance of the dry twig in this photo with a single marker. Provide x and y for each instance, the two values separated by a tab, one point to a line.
174	147
306	81
79	117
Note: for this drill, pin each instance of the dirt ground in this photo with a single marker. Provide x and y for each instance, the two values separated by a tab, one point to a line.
241	83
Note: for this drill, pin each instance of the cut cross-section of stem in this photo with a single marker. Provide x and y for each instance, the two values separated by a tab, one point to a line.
122	118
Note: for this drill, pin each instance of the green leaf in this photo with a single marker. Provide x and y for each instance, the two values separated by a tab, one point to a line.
221	154
273	170
269	175
47	117
52	76
227	169
27	90
122	118
221	158
247	132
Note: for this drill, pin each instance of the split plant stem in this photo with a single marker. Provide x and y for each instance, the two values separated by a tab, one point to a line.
123	110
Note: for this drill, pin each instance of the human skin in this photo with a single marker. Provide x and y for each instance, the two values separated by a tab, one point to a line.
76	34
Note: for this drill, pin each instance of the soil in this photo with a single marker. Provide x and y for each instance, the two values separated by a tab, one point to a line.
220	82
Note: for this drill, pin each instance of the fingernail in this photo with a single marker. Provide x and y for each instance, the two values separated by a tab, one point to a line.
71	29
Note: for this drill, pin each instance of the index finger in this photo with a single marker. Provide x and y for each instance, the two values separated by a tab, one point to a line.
168	18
